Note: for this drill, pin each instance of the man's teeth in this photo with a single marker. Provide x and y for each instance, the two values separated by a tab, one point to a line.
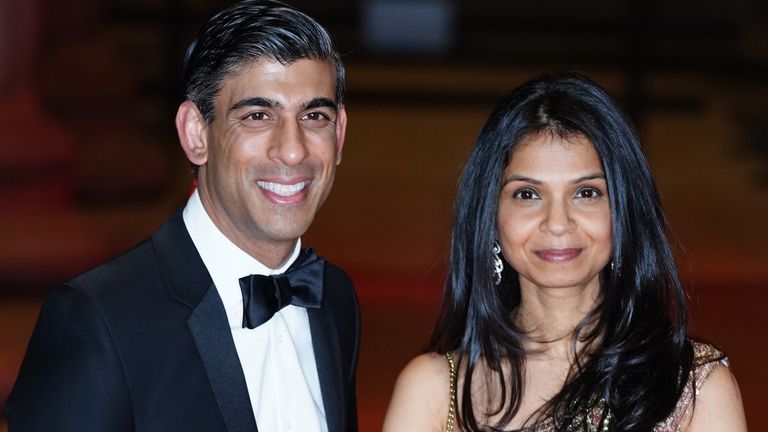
282	189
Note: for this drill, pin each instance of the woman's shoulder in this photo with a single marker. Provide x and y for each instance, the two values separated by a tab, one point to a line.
709	364
427	367
425	378
421	396
712	393
718	404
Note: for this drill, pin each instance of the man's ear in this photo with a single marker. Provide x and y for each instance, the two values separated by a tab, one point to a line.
341	131
190	125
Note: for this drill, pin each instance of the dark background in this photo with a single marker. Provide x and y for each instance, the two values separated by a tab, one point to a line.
90	163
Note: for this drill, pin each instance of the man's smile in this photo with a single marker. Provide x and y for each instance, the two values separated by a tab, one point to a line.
284	190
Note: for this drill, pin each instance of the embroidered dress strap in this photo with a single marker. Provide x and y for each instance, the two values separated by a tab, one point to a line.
452	393
705	359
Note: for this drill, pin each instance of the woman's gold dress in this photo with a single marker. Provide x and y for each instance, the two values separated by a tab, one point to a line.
706	357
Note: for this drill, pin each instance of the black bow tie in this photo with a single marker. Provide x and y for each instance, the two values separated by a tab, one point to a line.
263	295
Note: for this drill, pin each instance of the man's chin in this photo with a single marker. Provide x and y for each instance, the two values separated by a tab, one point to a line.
290	232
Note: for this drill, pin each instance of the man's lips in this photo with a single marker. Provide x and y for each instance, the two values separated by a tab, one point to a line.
282	193
558	255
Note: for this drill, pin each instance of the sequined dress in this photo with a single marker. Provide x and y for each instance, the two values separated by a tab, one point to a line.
706	357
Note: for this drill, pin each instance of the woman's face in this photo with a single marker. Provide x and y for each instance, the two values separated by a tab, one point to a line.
554	213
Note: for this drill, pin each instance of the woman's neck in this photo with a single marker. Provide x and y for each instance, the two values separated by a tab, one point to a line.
550	315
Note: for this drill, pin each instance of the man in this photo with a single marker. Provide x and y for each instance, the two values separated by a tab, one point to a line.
176	335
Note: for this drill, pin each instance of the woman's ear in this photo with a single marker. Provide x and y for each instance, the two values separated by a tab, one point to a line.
190	125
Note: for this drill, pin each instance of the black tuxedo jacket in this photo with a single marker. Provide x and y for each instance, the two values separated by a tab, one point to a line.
142	343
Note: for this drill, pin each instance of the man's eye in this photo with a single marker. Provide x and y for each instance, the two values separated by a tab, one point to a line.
316	116
258	116
525	194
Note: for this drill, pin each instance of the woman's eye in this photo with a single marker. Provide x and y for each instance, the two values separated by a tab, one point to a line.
525	194
588	193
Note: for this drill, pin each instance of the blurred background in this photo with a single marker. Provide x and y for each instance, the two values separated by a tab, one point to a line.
90	163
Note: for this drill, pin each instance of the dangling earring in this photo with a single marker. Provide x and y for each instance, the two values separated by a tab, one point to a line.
498	266
616	266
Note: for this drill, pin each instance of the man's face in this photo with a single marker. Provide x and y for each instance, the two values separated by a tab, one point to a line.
272	152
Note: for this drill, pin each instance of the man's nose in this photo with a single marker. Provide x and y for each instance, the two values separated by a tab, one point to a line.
289	146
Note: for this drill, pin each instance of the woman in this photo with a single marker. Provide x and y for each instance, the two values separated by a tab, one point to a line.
563	309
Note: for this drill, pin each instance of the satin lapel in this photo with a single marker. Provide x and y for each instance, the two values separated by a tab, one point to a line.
325	342
185	274
217	349
188	282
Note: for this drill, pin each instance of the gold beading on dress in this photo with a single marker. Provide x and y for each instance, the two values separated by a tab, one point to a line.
705	358
452	393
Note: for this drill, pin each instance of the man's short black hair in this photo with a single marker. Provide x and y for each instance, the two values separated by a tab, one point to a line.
248	31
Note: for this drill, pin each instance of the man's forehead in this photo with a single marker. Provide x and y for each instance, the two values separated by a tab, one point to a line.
269	67
266	77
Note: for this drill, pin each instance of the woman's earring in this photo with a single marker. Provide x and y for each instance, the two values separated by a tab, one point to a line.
616	266
498	266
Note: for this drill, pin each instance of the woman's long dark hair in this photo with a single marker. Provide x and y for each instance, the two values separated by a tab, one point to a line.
637	354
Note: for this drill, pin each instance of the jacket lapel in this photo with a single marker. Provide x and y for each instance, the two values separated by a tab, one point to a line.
325	342
188	282
326	346
210	330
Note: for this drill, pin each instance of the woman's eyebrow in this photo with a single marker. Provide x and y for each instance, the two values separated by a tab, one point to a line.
593	176
521	178
525	179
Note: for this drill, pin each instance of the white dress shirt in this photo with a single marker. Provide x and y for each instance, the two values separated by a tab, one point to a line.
277	357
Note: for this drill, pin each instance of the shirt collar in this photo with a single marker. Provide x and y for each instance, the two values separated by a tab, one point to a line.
225	261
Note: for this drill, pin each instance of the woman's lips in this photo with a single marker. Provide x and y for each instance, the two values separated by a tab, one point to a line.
558	255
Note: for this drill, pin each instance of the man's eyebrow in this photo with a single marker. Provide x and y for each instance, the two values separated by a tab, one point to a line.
320	102
255	102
